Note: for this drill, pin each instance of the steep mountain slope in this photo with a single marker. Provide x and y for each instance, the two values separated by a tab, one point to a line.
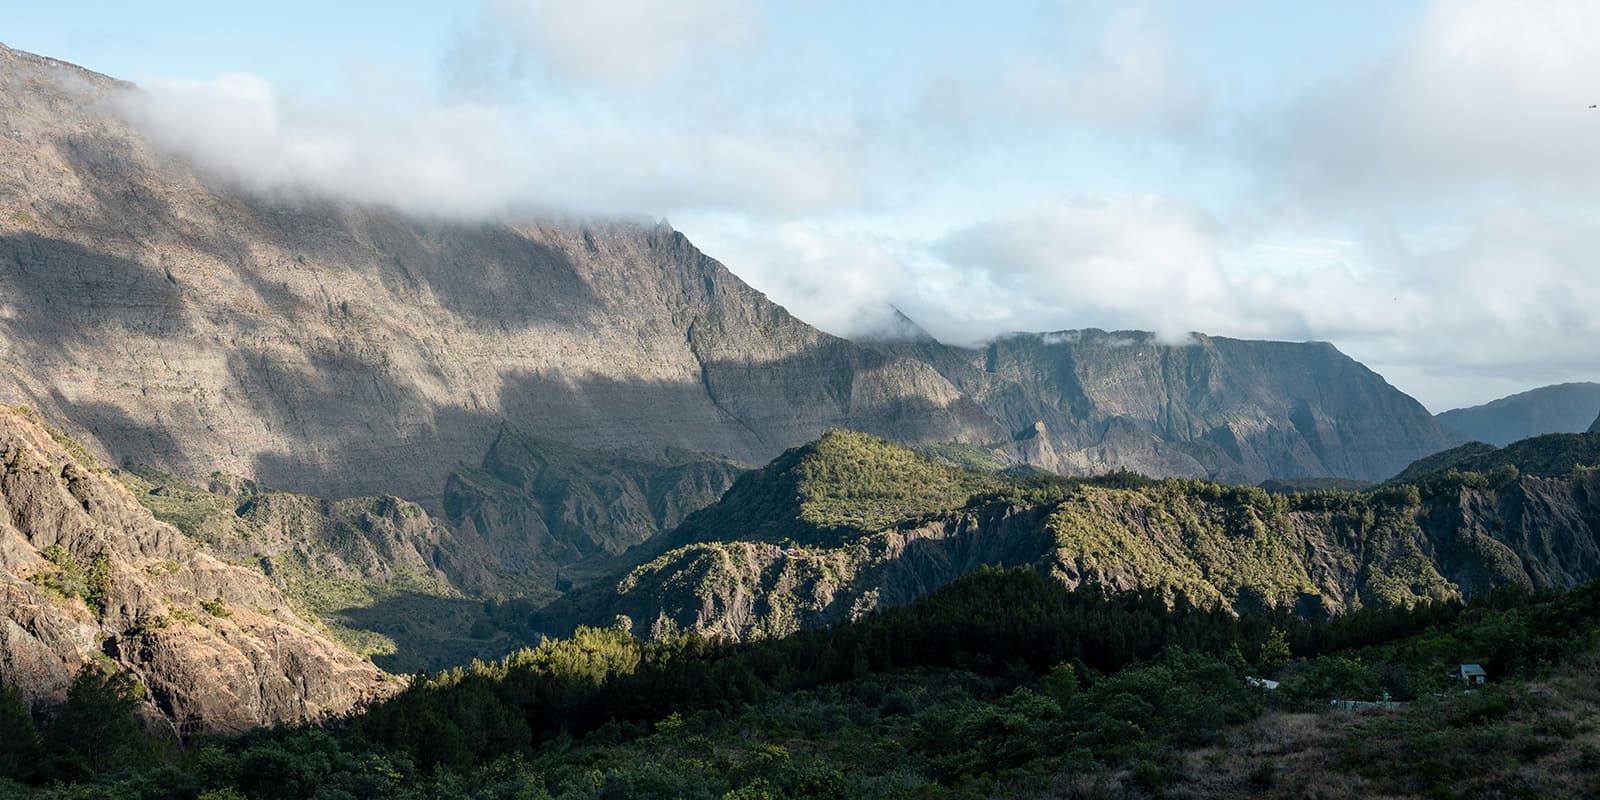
1238	411
851	523
1595	428
353	351
88	574
345	351
1564	408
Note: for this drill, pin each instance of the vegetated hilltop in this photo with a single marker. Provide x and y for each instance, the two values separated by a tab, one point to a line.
90	578
1563	408
1552	455
851	523
348	351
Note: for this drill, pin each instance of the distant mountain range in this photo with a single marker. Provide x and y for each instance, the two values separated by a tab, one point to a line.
1563	408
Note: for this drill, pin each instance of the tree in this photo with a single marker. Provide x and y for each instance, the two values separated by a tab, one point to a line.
95	732
19	740
1274	651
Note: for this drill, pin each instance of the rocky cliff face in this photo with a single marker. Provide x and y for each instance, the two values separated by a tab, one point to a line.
87	573
1565	408
345	351
759	565
1238	411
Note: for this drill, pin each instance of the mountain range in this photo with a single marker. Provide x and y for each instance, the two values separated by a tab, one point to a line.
344	351
258	447
1563	408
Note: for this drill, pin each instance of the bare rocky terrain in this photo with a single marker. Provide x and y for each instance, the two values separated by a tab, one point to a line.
88	574
341	351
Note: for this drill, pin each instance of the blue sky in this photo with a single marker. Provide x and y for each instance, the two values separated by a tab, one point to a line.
1410	180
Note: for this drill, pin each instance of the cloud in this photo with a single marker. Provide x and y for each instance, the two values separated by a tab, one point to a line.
1131	261
400	147
622	43
1483	98
1506	301
844	283
1132	79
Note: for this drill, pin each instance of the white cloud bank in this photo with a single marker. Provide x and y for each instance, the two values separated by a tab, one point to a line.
467	159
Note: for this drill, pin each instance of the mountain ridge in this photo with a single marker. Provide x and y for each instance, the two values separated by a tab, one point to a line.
1561	408
850	523
169	320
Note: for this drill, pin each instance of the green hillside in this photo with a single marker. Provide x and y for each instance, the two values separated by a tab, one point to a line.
1550	456
852	523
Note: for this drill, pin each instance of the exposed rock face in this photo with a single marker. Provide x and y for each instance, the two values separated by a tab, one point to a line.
753	565
1237	411
344	351
1565	408
86	572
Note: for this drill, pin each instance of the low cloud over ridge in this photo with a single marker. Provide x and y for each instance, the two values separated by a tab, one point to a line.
1424	207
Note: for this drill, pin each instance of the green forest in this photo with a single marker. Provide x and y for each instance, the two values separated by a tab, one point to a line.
1003	684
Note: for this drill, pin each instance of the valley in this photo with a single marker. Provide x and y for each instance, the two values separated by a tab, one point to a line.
306	497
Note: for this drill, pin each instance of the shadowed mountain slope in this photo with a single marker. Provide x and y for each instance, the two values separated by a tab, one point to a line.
1564	408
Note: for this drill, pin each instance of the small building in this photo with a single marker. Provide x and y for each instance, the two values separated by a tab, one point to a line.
1471	674
1260	683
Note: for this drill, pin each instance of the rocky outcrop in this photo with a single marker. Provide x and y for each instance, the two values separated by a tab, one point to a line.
87	573
1564	408
345	351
